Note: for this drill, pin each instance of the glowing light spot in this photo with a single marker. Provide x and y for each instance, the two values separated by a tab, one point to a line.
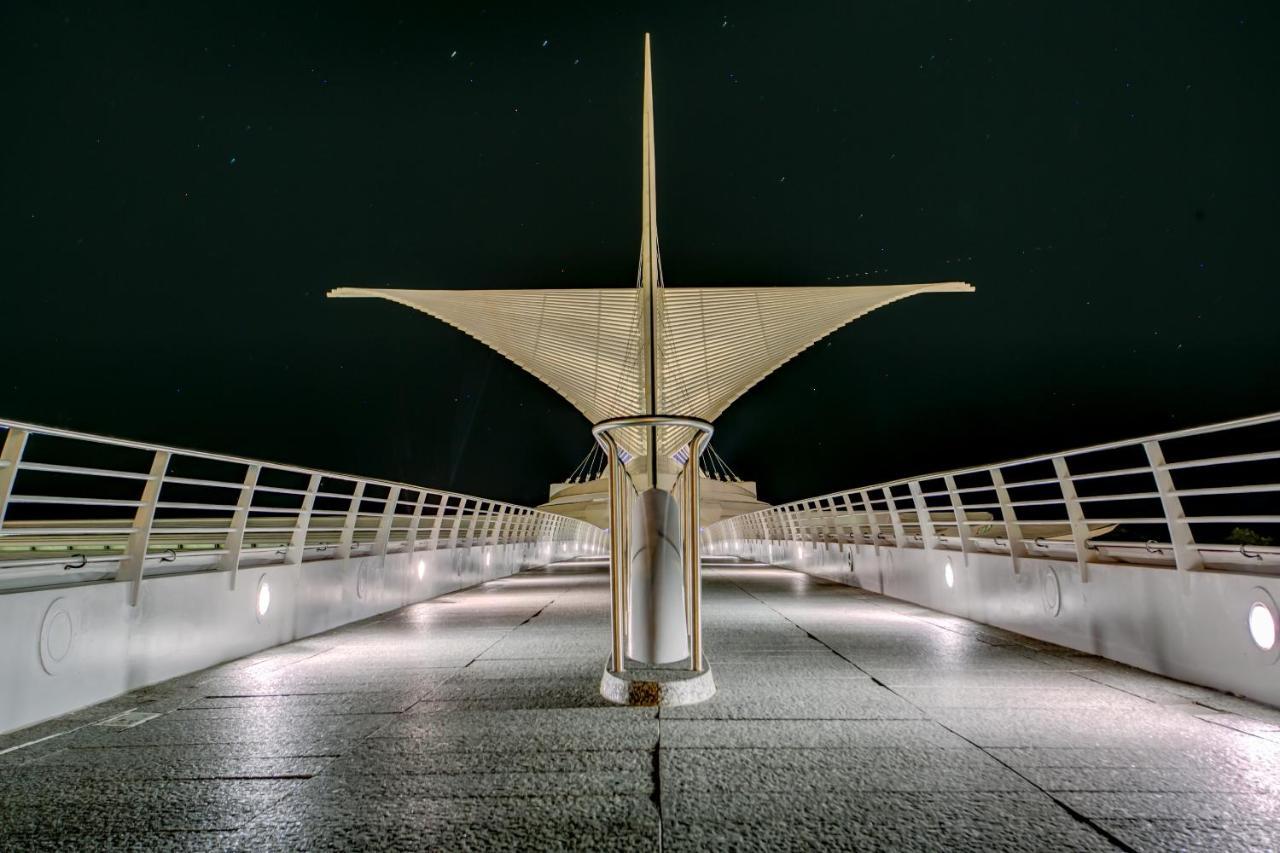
1262	626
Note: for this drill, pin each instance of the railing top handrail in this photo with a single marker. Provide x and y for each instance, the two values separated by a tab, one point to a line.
1187	432
60	432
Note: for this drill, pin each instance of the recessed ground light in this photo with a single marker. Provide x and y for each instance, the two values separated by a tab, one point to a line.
264	597
422	568
949	575
1262	626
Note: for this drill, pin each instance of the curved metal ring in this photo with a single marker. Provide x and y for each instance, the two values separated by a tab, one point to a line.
173	555
1151	550
1040	542
1246	554
611	424
995	540
84	562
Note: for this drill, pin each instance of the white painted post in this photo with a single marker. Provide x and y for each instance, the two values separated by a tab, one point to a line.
497	525
239	521
961	517
793	524
522	531
388	518
873	522
135	552
928	534
349	524
411	539
435	528
1075	515
847	510
457	522
826	510
899	534
1012	530
1186	556
298	544
15	441
479	524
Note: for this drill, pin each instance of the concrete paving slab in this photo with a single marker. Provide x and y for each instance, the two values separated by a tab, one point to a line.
1195	836
805	734
731	772
844	721
519	823
975	821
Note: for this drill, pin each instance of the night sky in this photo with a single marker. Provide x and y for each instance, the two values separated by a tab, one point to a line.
181	184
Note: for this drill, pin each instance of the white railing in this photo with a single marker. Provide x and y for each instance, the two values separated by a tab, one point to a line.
76	508
1206	498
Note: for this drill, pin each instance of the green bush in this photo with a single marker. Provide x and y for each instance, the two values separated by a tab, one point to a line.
1247	536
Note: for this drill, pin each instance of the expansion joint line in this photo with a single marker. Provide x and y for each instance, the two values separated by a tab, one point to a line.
1075	815
509	632
657	777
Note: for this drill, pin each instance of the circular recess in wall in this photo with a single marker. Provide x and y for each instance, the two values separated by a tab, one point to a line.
57	635
1050	591
1262	625
262	598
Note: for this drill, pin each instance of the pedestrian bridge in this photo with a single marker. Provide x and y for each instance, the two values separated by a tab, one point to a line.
1073	651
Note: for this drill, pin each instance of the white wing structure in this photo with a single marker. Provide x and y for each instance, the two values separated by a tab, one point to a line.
714	343
651	349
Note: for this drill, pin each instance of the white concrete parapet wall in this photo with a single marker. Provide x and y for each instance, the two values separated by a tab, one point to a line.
1136	615
1160	552
69	647
124	563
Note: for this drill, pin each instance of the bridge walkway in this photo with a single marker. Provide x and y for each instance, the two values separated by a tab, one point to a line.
843	719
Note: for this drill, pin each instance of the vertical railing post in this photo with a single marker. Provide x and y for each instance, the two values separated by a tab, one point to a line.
415	521
473	521
873	520
527	519
1075	515
298	542
458	515
961	517
841	502
135	552
15	441
826	513
1186	556
439	522
793	523
234	543
899	533
496	535
1009	515
383	538
924	518
347	539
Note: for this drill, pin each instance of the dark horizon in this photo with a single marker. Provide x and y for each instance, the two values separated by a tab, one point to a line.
183	187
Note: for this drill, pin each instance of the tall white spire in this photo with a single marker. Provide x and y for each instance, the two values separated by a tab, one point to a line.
618	352
650	270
